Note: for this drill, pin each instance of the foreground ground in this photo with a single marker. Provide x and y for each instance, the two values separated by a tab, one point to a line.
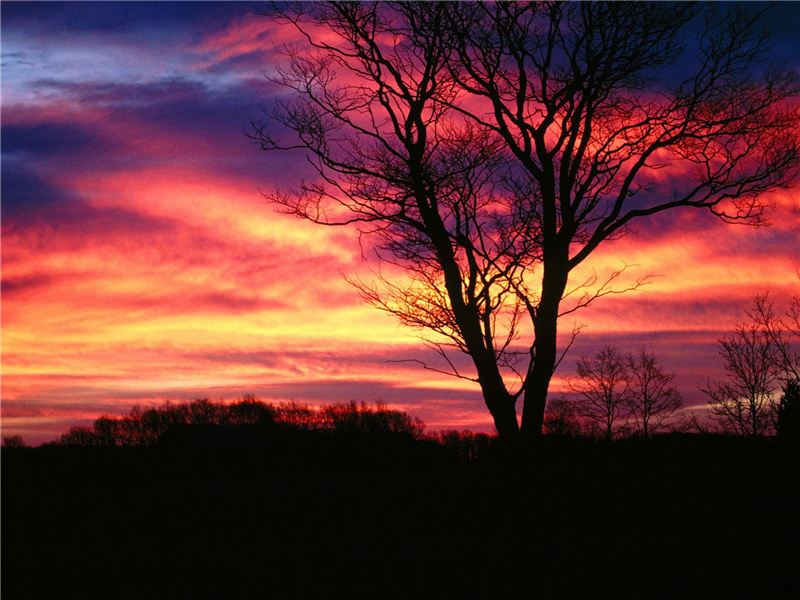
629	523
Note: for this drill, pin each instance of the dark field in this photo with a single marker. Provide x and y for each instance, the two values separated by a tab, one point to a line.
673	519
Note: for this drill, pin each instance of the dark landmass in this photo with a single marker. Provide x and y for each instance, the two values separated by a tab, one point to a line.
679	516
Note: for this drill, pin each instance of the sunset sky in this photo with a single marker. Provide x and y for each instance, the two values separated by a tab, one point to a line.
140	262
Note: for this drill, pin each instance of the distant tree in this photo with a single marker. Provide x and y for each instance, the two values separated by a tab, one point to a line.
79	435
652	400
398	422
131	429
250	410
780	331
108	431
207	412
360	419
743	404
144	427
297	415
13	441
346	418
152	425
489	148
466	446
787	414
560	418
690	423
602	391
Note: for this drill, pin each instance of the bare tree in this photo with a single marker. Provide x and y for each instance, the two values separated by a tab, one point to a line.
652	399
488	149
743	404
578	93
602	389
203	411
250	410
779	331
107	431
144	427
560	418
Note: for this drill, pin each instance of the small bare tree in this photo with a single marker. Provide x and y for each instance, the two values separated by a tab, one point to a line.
602	387
743	404
652	398
779	331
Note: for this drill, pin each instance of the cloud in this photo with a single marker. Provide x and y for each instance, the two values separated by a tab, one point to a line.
14	286
243	37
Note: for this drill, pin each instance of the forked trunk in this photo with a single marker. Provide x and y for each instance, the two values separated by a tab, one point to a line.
546	352
539	382
504	413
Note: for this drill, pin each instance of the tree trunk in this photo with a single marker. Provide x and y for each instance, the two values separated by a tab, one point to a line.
500	403
554	283
504	413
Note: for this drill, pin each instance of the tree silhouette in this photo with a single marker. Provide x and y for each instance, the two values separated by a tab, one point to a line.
743	403
251	411
207	412
758	355
466	446
560	418
652	400
79	435
779	331
107	431
487	149
787	413
602	389
145	427
360	419
14	441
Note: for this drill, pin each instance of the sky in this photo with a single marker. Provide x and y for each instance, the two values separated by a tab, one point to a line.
140	262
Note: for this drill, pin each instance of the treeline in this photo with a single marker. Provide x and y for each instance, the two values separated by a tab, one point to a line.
144	427
350	420
615	395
